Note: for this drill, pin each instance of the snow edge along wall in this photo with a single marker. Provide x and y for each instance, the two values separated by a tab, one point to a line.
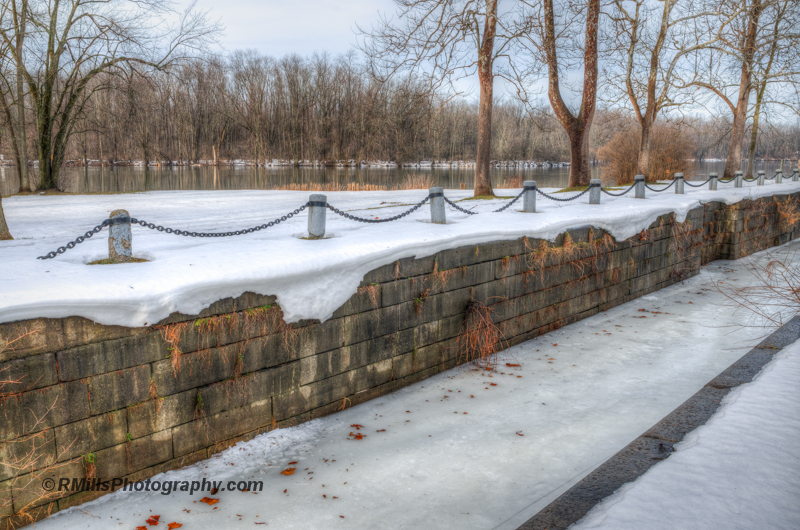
83	400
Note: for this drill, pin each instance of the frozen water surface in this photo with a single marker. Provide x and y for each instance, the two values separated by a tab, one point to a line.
467	448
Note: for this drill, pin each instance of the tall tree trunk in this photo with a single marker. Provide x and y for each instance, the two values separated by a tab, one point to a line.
643	163
577	127
22	144
483	182
5	234
734	158
751	155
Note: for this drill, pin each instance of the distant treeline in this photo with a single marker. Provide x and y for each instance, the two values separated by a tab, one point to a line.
251	106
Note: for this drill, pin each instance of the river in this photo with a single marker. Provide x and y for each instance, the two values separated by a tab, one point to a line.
135	179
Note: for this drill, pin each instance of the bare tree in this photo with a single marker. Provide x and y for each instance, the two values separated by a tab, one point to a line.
4	231
70	42
652	56
778	65
448	40
547	43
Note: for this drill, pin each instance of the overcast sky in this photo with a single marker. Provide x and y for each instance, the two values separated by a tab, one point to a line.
278	27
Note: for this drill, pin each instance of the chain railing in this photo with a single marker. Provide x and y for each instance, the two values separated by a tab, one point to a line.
317	207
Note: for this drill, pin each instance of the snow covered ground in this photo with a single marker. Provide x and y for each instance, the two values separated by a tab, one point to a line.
475	449
188	274
739	471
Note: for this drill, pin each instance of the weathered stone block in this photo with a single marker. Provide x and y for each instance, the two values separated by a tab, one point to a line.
109	356
119	389
26	454
92	434
207	431
28	373
44	408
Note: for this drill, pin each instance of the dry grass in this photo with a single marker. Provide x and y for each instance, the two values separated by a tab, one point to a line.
411	181
670	151
788	212
512	182
480	338
775	298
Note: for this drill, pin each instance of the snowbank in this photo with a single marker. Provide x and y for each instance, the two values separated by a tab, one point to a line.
311	279
740	470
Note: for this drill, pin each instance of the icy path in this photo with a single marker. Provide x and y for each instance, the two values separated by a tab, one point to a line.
434	456
739	471
188	274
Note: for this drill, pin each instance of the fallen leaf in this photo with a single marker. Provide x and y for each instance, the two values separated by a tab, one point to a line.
209	500
556	344
141	528
214	491
356	426
291	463
357	435
493	384
172	526
381	430
342	516
509	364
153	520
288	471
519	433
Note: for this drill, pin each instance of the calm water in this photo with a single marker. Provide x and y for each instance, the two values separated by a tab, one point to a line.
128	179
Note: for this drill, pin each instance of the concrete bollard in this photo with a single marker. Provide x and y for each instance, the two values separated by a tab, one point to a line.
760	181
120	245
594	191
638	181
779	177
317	208
738	179
529	197
679	190
437	206
713	178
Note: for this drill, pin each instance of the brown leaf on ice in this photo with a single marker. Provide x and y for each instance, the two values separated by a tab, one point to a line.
288	471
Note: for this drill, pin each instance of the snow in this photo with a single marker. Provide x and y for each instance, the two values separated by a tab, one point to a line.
739	471
188	274
584	393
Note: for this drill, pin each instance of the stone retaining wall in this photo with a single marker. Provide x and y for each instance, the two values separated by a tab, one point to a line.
83	400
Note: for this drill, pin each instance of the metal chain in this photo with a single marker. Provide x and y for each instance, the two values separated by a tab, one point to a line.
277	221
695	185
395	218
726	181
543	194
662	189
515	199
160	228
618	194
81	239
457	207
749	180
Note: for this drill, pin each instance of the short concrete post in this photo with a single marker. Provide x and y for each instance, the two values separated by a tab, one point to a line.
738	179
795	175
713	178
120	247
779	177
317	208
437	206
529	196
638	181
594	191
679	190
760	181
